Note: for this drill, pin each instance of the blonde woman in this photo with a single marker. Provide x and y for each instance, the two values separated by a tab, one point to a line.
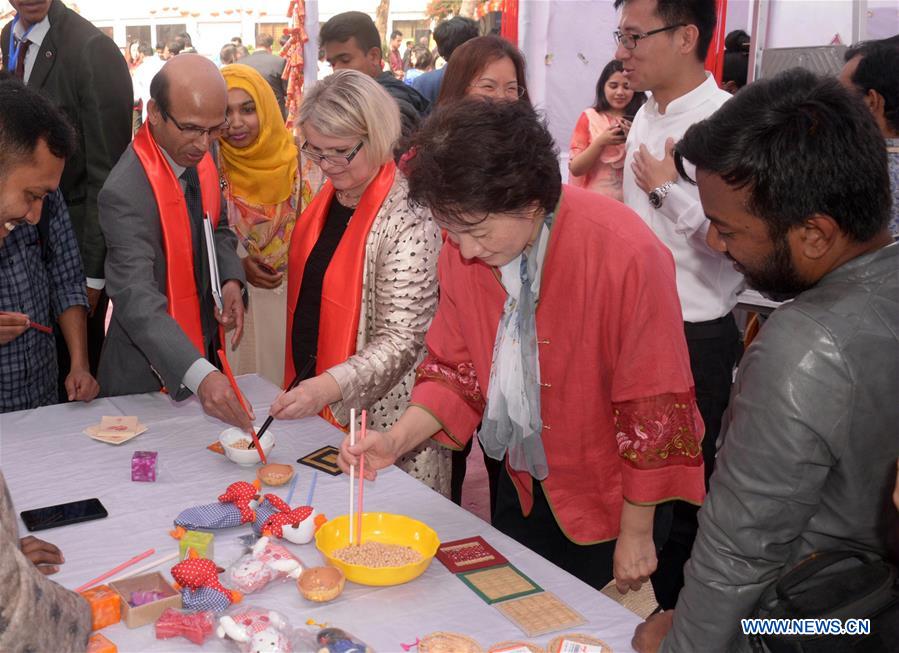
362	271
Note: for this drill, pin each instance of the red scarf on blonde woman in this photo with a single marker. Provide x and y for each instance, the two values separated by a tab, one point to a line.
177	243
341	302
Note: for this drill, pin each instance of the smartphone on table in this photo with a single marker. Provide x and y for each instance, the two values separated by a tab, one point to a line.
63	514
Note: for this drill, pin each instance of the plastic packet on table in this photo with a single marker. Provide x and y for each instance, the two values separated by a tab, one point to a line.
258	629
266	561
196	627
335	640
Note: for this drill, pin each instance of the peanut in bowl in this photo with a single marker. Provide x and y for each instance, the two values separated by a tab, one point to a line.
236	444
383	528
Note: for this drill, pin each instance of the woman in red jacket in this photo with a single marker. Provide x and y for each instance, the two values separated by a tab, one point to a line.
559	328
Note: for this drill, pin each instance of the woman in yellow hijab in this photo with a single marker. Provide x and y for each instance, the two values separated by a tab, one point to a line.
265	193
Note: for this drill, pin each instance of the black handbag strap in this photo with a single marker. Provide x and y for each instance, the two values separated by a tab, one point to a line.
812	565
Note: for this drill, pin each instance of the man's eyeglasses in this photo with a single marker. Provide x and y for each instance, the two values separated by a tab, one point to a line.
492	89
195	133
629	41
333	160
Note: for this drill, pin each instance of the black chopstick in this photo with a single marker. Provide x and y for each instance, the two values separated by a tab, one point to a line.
293	384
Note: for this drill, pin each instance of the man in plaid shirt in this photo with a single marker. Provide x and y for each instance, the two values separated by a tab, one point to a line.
41	278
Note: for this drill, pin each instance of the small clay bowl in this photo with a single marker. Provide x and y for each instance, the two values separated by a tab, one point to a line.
321	584
275	474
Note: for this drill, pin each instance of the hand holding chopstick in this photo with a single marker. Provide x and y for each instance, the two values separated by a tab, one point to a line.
296	380
12	325
226	368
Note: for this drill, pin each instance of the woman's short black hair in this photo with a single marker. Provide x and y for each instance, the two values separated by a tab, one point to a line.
801	145
601	104
477	157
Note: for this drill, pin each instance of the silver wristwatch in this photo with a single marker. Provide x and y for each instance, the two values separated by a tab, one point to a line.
658	195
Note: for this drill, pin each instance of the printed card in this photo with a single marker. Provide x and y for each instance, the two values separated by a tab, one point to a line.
469	554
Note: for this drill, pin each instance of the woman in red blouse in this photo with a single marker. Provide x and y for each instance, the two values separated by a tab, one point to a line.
559	329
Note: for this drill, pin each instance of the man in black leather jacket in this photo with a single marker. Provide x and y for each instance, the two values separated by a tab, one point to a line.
792	173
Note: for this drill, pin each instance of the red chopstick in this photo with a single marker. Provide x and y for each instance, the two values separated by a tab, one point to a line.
226	368
41	327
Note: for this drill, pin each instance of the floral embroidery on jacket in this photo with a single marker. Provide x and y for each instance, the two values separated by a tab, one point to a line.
659	431
461	378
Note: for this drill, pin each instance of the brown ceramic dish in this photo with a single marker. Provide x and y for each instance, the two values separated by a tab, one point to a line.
321	584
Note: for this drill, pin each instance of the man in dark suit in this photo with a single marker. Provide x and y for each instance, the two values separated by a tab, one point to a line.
56	51
270	66
165	327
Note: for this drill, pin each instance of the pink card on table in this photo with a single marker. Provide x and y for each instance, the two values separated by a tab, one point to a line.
117	425
468	553
115	430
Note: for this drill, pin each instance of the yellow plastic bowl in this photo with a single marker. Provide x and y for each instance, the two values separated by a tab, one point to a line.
385	528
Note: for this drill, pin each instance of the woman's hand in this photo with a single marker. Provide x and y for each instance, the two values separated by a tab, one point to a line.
260	275
635	552
614	134
379	450
584	160
634	560
309	398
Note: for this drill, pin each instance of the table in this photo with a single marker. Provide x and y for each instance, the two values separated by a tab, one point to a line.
47	460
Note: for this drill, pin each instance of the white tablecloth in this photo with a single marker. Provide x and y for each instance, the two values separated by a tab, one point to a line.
47	460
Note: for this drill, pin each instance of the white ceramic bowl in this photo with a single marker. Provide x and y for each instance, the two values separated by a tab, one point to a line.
245	457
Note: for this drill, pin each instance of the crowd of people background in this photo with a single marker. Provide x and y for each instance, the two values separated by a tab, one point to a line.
412	250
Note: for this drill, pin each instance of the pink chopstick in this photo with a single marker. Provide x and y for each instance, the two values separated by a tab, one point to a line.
115	570
361	482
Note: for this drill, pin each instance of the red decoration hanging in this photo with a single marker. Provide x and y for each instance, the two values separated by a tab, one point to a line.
293	53
714	60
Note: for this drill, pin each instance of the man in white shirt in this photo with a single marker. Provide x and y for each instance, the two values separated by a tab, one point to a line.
143	75
662	45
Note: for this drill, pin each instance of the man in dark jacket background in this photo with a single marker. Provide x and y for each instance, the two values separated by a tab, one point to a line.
270	66
351	41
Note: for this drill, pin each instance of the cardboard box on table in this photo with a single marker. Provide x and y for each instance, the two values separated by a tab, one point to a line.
134	617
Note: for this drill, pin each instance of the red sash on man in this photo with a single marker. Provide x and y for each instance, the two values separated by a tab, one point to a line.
341	302
177	243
